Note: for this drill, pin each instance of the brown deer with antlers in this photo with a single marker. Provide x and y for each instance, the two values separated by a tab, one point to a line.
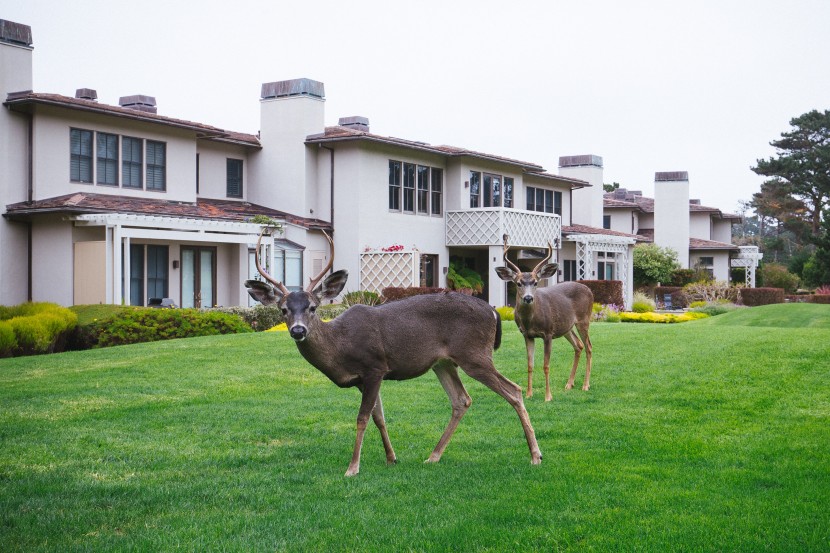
396	341
550	312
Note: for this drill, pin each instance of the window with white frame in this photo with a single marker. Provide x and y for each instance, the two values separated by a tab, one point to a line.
156	165
107	156
544	200
80	157
415	188
490	190
132	162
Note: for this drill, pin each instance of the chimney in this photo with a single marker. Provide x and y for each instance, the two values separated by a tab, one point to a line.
293	87
15	33
86	94
694	202
356	123
139	102
671	213
586	206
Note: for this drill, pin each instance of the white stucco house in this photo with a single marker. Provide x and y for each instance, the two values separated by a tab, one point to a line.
120	203
700	235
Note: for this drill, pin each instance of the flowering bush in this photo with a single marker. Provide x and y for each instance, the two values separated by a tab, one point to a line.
823	290
392	248
607	313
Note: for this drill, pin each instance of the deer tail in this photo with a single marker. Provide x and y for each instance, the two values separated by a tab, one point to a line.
497	341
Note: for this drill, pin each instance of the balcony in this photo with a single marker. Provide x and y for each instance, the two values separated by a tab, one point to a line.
487	226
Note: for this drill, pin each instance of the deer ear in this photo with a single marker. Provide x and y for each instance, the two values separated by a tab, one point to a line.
506	273
332	285
263	292
548	270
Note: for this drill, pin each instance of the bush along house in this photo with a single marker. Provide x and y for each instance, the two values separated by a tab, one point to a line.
130	205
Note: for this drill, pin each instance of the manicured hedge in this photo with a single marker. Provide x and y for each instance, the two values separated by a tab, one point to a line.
606	292
761	296
33	328
394	293
259	317
149	325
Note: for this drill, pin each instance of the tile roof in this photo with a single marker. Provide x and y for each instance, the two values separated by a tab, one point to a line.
342	134
584	229
23	101
203	208
611	200
694	243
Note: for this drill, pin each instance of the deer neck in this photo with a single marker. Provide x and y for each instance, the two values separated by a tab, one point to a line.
321	349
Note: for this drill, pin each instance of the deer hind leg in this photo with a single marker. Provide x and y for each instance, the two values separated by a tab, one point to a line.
380	422
371	391
485	372
586	339
530	345
460	400
546	368
578	347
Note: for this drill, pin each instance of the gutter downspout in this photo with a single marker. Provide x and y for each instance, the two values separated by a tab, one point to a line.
30	196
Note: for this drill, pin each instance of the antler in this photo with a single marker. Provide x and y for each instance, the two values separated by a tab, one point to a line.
280	286
507	262
545	260
316	279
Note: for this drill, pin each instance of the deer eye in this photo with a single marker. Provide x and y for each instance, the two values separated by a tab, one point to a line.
284	311
313	308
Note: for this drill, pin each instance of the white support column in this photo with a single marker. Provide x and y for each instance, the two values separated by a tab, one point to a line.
127	273
497	287
116	265
108	264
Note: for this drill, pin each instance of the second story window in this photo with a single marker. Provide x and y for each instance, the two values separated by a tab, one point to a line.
544	201
156	165
423	189
80	159
437	183
234	188
475	189
489	190
107	155
394	185
131	162
409	187
606	221
508	192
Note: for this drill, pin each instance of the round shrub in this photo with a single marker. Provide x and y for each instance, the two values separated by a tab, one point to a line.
641	303
37	327
8	341
506	313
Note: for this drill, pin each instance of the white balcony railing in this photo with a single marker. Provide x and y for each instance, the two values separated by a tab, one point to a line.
487	226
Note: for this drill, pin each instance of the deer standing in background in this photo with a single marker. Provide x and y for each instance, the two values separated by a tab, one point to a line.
548	313
396	341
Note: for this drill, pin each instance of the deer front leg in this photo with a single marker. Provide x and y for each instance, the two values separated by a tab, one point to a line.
546	368
380	422
370	391
530	346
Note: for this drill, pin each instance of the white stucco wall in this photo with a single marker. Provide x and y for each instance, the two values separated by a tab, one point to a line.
700	225
621	220
587	202
15	75
722	230
213	166
52	155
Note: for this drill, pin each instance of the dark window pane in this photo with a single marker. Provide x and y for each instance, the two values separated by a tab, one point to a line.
548	201
557	203
475	188
156	165
395	185
157	281
136	274
530	194
409	187
131	161
437	191
508	192
234	178
80	159
423	189
107	159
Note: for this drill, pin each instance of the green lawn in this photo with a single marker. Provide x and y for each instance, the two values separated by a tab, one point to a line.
711	435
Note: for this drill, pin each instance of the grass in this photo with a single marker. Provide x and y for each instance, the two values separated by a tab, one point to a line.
713	435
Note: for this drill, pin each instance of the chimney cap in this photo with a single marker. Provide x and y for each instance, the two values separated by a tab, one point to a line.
355	122
671	176
579	161
15	33
86	94
293	87
140	102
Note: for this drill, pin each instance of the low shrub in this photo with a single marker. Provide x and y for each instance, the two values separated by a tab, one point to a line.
714	308
506	313
36	327
820	298
753	297
823	290
661	317
606	313
331	311
361	297
8	341
642	303
395	293
776	275
258	317
606	292
150	325
711	291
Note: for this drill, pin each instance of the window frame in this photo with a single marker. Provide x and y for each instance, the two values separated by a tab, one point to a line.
106	163
436	191
156	171
80	156
395	184
127	165
408	188
234	180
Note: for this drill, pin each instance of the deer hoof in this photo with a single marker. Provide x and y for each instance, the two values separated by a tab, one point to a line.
586	388
548	398
536	459
352	471
392	461
569	385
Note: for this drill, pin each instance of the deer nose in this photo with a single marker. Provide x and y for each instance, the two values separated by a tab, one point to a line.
527	299
298	332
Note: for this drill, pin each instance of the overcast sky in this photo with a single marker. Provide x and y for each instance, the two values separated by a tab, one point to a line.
701	86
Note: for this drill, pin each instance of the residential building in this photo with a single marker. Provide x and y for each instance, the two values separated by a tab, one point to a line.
122	204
